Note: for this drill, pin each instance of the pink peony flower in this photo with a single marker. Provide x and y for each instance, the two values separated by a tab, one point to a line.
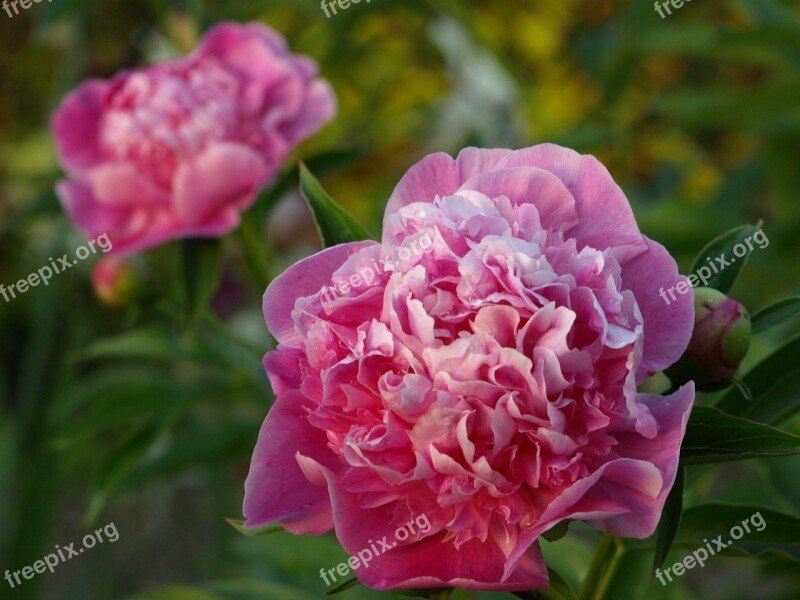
179	149
488	383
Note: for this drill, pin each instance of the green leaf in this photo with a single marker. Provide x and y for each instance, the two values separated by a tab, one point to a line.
201	266
253	589
558	531
714	436
335	225
670	519
773	384
175	593
779	535
149	343
559	590
322	163
722	247
350	583
775	314
265	530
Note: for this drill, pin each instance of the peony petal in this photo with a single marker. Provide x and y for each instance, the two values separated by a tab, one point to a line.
124	185
304	278
423	560
276	490
440	175
526	185
605	216
667	327
225	177
76	126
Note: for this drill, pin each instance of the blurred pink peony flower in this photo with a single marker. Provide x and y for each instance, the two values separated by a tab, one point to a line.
488	383
179	149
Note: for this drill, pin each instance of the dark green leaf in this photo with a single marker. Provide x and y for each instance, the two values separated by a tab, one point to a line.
670	519
201	266
722	247
350	583
558	531
779	535
335	225
774	385
266	530
776	314
321	164
559	590
253	589
149	343
714	436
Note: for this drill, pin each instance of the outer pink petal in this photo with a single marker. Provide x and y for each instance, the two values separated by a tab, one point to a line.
241	45
223	179
76	126
667	327
672	414
304	278
83	209
424	560
606	218
475	565
440	175
276	489
529	185
319	108
625	497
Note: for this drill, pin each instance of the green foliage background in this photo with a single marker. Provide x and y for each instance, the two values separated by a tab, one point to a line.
147	418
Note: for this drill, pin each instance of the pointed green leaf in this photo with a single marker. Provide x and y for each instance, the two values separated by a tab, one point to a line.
265	530
350	583
774	385
201	265
775	314
714	436
335	225
779	532
722	247
670	519
559	589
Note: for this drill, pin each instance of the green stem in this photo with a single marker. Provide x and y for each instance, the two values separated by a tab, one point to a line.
256	252
602	568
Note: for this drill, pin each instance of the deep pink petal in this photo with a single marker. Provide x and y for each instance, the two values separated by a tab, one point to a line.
423	560
76	126
276	490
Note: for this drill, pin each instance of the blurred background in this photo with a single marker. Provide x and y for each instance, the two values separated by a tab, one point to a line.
127	414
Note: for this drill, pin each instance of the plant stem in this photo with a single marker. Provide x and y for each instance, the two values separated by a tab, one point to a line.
602	568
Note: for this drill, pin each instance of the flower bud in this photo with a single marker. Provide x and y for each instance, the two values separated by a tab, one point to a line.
720	340
115	281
